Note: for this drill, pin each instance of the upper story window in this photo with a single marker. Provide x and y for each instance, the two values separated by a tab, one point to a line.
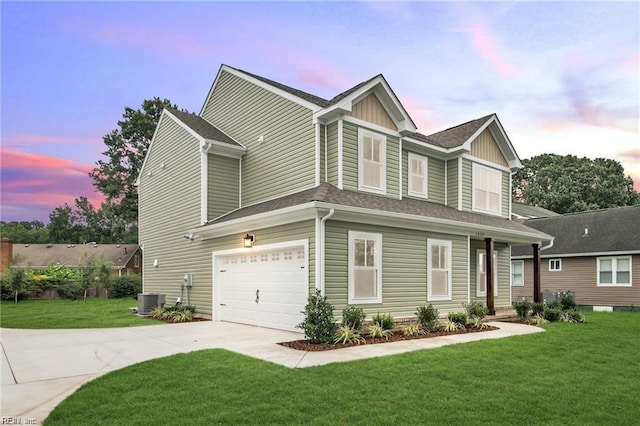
372	161
614	271
555	264
487	189
418	175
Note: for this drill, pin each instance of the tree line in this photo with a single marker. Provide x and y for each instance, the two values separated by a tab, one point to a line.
563	184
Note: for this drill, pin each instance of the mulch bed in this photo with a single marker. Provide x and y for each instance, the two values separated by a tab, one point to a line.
304	345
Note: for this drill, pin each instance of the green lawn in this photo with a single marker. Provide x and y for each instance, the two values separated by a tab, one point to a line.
96	313
573	374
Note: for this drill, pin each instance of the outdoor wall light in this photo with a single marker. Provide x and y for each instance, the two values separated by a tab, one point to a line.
249	240
189	237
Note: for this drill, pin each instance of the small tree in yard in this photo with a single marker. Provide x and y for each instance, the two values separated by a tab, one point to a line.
319	325
16	281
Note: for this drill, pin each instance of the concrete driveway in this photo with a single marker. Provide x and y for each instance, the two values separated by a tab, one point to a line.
40	368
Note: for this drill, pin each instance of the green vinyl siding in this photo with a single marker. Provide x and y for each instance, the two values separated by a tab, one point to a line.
504	271
404	269
323	177
467	185
284	161
506	195
452	183
332	153
350	160
435	178
169	209
223	185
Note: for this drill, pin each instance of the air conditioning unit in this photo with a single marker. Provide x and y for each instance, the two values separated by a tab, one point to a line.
149	301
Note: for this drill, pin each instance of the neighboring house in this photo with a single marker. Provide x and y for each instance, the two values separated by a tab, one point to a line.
595	254
524	211
124	258
270	192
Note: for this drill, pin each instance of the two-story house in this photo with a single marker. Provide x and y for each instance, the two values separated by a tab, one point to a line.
270	193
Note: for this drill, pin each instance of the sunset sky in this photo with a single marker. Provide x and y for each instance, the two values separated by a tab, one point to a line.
563	77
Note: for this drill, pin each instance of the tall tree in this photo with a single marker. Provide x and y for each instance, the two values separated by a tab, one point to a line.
63	225
32	232
566	184
126	148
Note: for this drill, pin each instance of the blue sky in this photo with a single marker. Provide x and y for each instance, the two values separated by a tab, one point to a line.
562	76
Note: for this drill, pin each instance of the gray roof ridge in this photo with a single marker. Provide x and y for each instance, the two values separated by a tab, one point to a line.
570	214
484	118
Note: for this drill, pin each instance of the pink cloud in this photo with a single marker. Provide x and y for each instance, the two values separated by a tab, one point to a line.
16	159
488	47
419	113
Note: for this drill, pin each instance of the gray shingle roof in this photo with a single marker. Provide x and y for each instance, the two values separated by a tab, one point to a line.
202	127
611	230
43	255
330	194
530	212
457	135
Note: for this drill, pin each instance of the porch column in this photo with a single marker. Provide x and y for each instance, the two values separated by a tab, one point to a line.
489	274
536	273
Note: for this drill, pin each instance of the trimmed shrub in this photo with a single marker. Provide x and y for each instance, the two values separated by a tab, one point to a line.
427	317
522	309
568	302
476	309
552	313
126	286
459	318
385	321
353	317
537	309
319	325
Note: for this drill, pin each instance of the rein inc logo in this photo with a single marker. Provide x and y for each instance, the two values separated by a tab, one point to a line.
8	420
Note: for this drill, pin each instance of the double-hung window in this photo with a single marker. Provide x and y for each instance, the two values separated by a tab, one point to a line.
365	267
487	189
517	273
614	271
438	269
481	285
372	161
418	175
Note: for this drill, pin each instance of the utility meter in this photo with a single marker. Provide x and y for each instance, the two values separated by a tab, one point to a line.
186	281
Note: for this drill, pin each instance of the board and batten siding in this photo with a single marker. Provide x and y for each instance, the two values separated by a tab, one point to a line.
350	160
169	207
579	275
404	269
278	133
486	148
223	178
371	110
452	183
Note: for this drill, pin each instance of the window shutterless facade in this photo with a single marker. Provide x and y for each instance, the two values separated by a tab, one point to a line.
481	285
517	273
372	174
555	265
487	189
614	271
438	269
418	168
365	267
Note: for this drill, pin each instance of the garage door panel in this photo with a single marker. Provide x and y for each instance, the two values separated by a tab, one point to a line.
281	278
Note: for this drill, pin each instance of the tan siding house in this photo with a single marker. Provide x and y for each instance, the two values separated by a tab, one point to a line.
271	193
595	255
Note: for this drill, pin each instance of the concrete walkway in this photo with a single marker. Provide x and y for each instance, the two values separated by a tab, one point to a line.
40	368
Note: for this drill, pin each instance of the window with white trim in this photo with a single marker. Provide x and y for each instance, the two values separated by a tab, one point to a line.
365	267
136	261
487	189
481	285
372	162
517	273
555	265
614	271
418	166
438	269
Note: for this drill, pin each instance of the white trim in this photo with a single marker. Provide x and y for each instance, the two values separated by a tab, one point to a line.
362	133
446	182
468	269
204	186
216	254
371	126
319	253
377	267
593	254
400	180
320	248
326	151
510	194
240	184
448	244
521	262
614	271
340	158
425	179
317	135
475	168
515	162
487	164
460	163
153	138
558	269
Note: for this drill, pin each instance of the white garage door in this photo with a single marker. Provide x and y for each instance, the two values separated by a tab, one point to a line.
264	286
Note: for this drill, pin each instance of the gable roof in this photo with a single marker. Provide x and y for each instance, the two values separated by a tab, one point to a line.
44	255
328	196
607	231
457	135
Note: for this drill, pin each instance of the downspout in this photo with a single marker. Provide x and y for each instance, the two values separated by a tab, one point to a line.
326	177
321	267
